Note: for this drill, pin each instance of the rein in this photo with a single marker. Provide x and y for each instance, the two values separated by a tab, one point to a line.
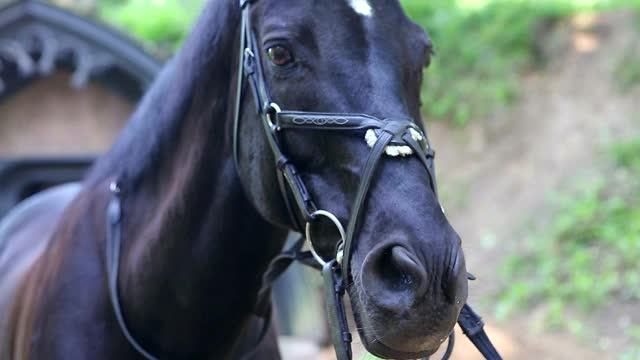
300	205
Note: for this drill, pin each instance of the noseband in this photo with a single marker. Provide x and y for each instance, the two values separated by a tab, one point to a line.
400	133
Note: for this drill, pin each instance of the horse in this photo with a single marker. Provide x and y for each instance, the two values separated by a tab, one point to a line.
202	212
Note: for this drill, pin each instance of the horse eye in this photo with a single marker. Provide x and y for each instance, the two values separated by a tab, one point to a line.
280	55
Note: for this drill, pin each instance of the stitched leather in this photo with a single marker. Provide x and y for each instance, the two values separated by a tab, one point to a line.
290	120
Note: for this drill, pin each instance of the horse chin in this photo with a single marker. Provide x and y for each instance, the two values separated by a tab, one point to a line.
375	345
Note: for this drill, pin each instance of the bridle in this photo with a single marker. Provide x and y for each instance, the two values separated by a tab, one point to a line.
302	210
299	203
301	207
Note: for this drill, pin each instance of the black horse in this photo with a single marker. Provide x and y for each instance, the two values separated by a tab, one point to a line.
198	231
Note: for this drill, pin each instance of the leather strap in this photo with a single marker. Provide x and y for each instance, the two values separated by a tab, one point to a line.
289	120
113	245
289	201
239	88
358	205
286	171
276	268
473	327
426	156
334	292
264	331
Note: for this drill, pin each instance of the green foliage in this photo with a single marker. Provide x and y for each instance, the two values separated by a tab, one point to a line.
161	23
370	357
484	46
631	354
627	72
477	60
589	252
627	154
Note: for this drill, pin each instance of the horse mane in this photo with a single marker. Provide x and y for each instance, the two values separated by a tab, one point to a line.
194	84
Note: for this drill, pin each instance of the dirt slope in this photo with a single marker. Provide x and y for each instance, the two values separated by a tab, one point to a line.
497	173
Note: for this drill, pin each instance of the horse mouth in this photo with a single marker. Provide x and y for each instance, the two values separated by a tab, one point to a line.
375	345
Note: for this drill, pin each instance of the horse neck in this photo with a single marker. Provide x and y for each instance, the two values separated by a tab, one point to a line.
194	247
193	244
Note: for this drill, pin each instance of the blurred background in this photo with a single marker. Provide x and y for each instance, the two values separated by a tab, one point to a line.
534	108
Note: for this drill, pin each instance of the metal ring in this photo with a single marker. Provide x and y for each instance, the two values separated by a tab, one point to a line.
275	107
338	225
276	110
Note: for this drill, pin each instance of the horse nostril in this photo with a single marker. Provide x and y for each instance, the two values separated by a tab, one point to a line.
393	270
403	268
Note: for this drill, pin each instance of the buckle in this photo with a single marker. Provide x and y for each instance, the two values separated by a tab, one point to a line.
249	61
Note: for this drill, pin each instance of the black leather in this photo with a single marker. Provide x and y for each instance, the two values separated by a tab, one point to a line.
334	292
363	189
113	244
291	120
472	326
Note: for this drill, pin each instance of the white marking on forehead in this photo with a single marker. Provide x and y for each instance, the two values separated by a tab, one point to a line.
362	7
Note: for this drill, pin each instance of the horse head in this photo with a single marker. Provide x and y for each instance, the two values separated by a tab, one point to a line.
407	279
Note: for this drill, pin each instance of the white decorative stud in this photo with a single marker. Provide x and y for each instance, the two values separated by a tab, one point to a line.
394	150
